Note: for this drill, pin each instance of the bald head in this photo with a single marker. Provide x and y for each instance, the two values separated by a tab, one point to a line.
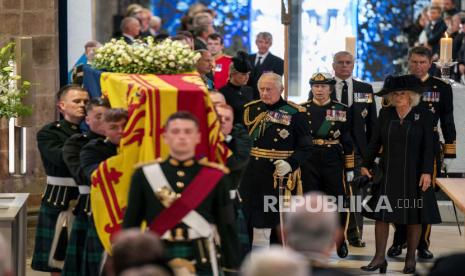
130	26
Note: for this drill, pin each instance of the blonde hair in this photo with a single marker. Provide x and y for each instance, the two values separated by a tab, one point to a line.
414	98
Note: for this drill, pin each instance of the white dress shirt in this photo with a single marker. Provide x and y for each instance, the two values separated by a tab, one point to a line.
263	58
350	90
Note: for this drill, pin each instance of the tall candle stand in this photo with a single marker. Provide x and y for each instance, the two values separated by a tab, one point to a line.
445	67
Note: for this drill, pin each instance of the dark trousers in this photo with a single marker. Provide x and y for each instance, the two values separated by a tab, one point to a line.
400	235
355	229
324	171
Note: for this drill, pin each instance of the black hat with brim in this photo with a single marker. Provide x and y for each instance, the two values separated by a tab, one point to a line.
322	78
241	62
401	83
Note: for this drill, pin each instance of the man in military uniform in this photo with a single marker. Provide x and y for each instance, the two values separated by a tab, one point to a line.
281	143
71	150
438	99
215	45
332	150
180	198
358	96
92	154
61	187
238	141
236	92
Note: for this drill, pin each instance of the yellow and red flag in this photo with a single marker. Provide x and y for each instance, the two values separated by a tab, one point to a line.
150	100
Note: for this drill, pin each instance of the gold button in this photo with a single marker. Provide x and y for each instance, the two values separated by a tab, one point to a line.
278	129
308	113
258	108
181	173
309	122
332	131
179	184
430	104
276	140
333	123
256	158
271	160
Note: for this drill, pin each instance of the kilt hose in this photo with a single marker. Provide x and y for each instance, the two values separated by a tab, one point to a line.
45	232
75	249
93	251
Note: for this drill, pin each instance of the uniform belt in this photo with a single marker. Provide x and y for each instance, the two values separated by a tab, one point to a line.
61	181
271	154
321	142
181	234
84	189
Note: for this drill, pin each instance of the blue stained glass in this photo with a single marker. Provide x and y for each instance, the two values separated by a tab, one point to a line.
232	19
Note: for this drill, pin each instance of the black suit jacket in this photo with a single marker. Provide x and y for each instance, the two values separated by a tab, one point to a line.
271	63
363	116
434	34
127	39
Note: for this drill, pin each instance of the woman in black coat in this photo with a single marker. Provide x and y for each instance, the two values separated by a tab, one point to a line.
405	137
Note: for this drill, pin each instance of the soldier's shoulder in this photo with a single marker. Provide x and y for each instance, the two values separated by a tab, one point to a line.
307	103
440	82
204	162
147	163
253	103
297	107
338	104
50	128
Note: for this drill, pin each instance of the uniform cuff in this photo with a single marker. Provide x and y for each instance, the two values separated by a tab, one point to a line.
450	150
349	161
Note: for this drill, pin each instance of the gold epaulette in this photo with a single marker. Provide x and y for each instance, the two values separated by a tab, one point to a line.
206	163
252	102
334	101
145	163
307	102
349	161
296	106
444	81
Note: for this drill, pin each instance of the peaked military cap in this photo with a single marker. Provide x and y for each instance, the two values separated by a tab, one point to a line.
322	78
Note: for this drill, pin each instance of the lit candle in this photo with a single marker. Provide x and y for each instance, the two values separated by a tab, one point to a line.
350	44
446	49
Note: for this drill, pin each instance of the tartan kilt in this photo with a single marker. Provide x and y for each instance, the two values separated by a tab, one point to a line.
75	249
45	232
244	242
188	250
93	251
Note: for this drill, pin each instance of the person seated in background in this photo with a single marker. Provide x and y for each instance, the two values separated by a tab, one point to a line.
276	261
313	231
202	24
154	25
144	17
204	67
435	28
130	29
449	8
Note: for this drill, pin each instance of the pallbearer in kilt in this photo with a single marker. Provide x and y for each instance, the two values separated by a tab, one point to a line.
437	97
71	151
92	154
281	143
331	162
61	187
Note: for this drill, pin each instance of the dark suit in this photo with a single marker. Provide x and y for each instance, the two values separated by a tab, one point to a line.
434	32
199	44
127	39
271	63
363	114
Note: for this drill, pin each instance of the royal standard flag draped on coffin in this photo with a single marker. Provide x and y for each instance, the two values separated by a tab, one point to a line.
150	100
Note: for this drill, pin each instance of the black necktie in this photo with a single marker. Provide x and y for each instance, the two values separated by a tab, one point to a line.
345	92
259	61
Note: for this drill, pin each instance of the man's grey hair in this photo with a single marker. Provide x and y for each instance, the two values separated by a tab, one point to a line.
341	54
310	230
276	261
126	22
277	79
266	36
